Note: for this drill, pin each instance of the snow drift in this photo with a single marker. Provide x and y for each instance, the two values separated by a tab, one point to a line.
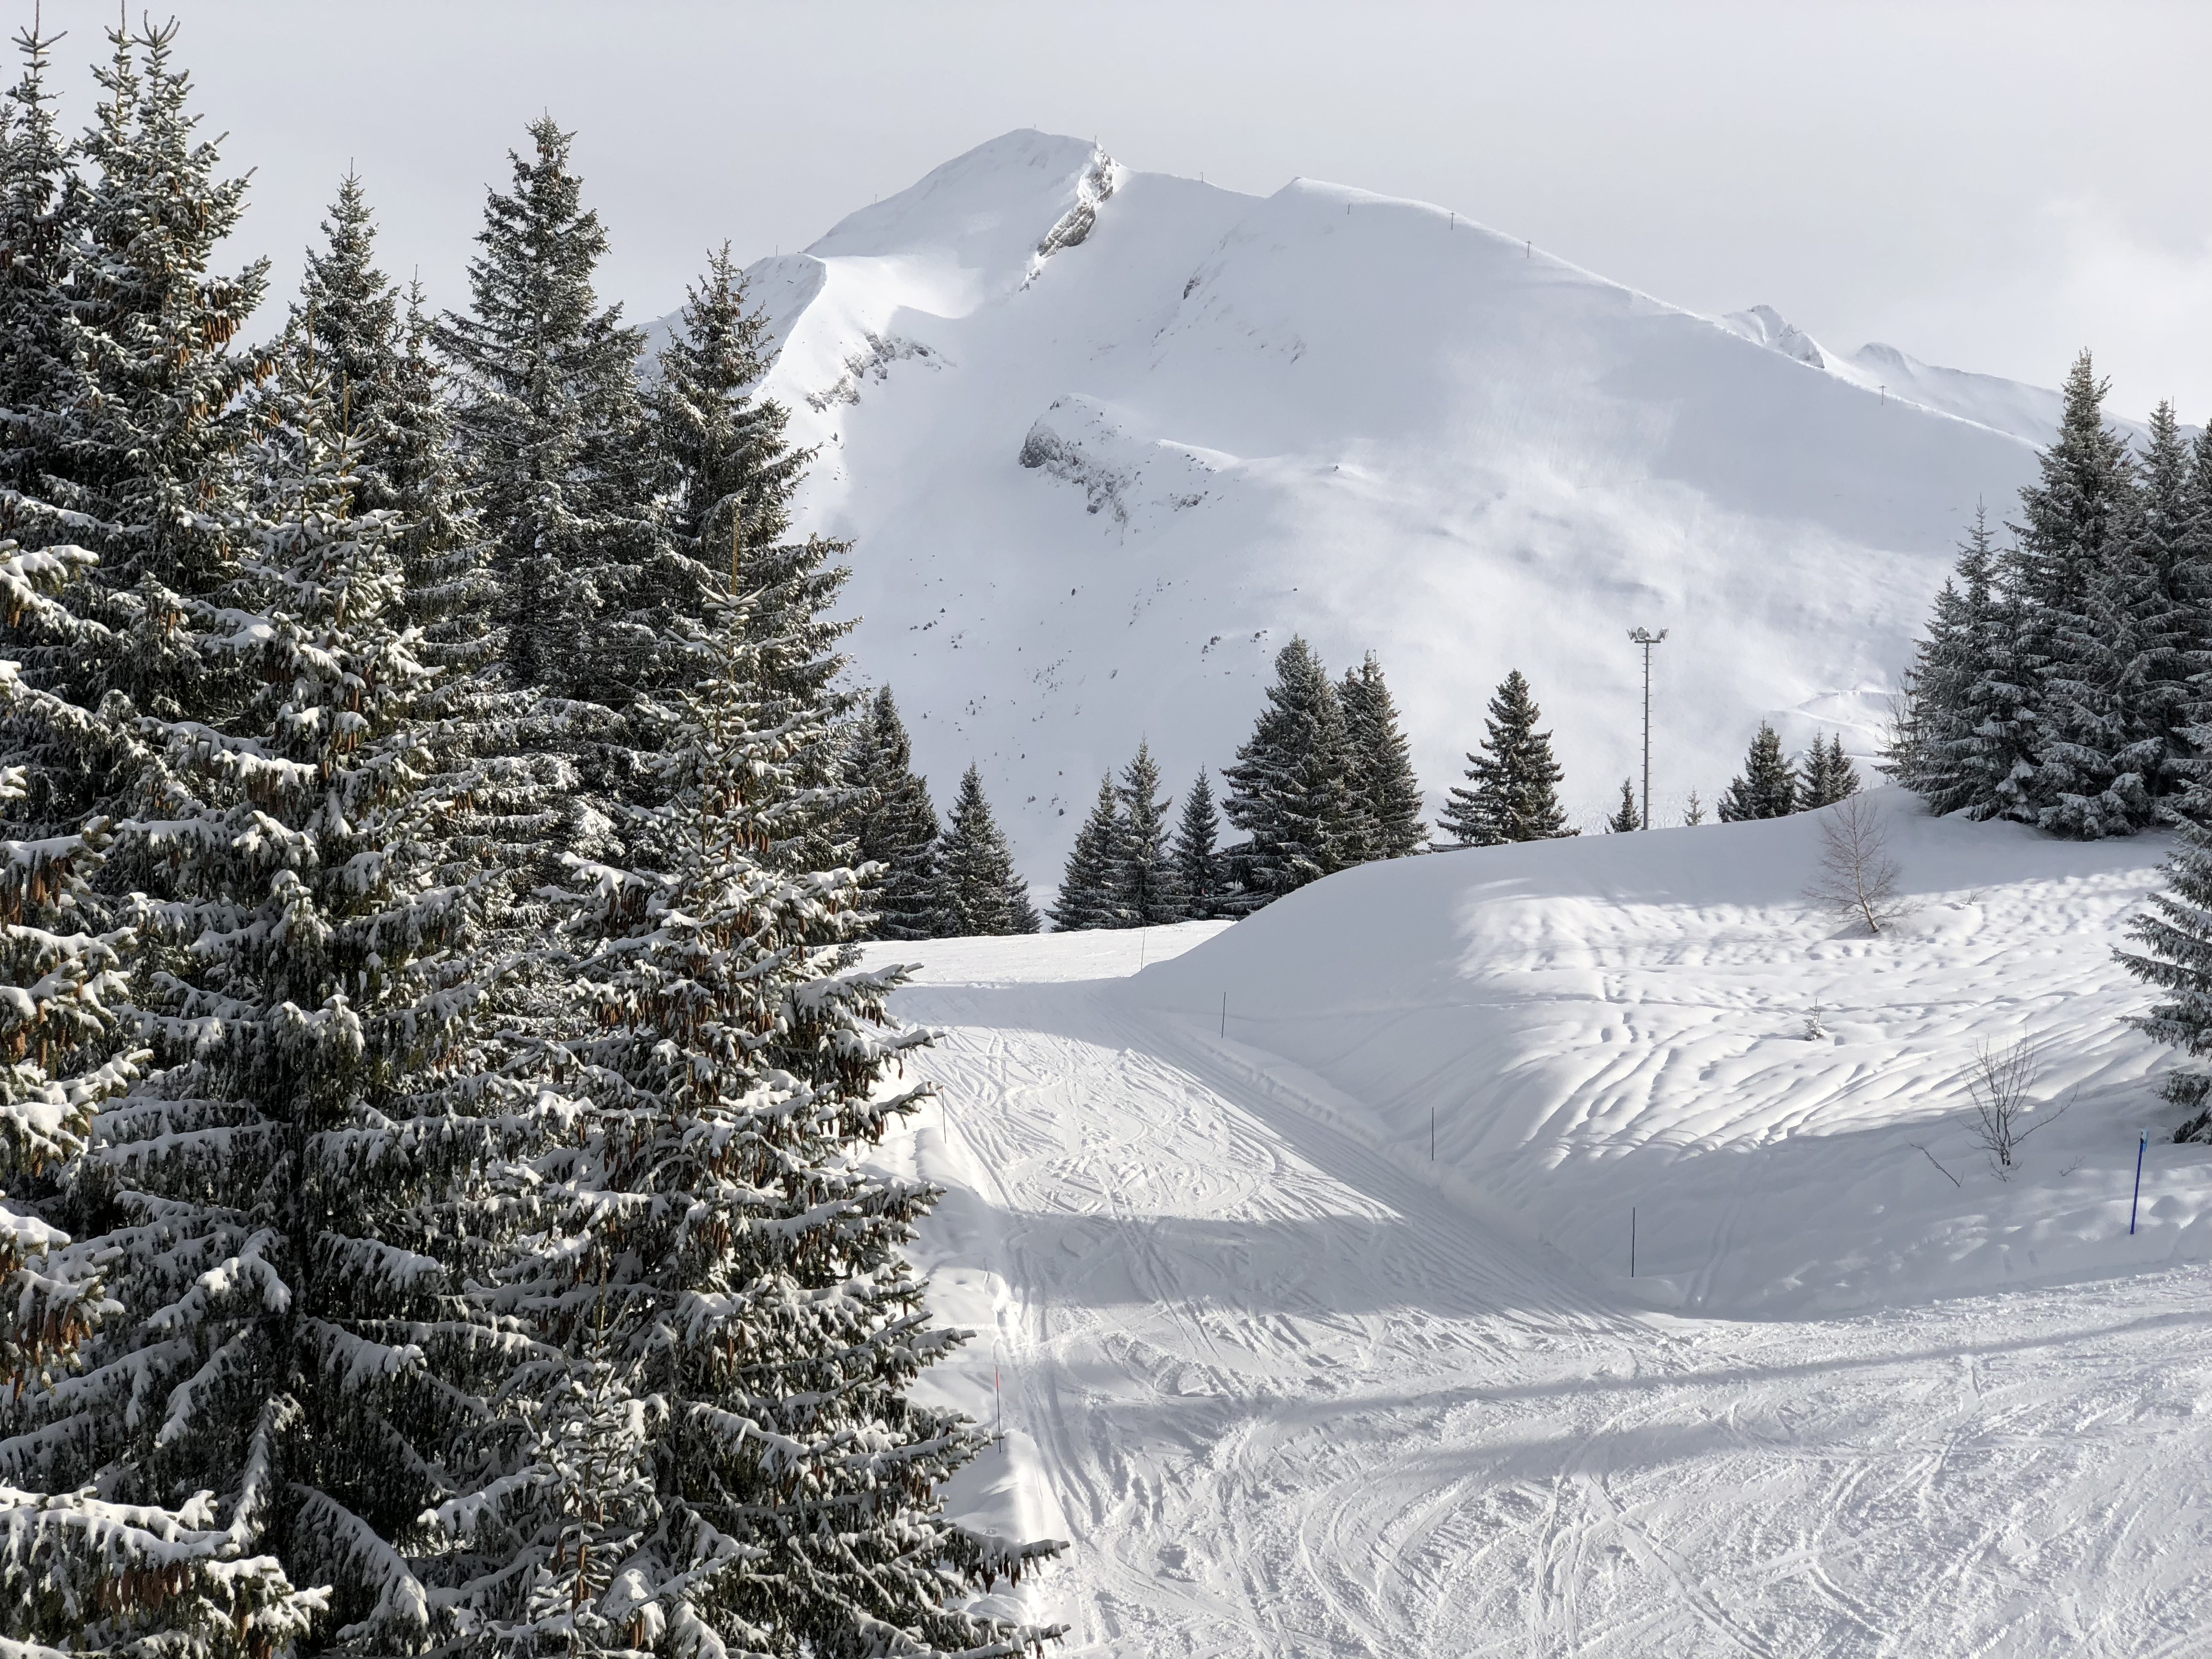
1663	1021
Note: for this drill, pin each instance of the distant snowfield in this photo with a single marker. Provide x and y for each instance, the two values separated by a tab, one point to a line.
1291	1387
1104	441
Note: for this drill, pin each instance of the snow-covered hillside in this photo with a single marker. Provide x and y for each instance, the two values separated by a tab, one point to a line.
1293	1388
1105	440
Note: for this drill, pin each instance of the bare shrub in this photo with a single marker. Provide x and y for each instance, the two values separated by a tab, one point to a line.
1858	879
2002	1079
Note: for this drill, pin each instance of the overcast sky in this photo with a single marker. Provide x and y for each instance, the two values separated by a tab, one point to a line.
1990	186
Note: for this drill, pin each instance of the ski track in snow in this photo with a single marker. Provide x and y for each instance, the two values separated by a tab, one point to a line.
1291	1399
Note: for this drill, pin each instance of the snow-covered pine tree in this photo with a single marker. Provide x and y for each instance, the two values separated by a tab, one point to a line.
1090	894
726	469
1695	815
1967	736
2076	619
725	1329
1766	788
894	824
718	442
348	312
40	204
978	892
1516	782
79	1573
1201	870
277	1195
1827	774
549	418
147	420
2162	587
1387	796
1290	790
2175	937
1625	817
1147	885
725	475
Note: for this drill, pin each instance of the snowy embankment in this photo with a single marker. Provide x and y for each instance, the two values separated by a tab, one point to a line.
1618	1023
1290	1389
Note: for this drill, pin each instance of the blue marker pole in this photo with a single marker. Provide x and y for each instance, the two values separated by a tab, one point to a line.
2142	1146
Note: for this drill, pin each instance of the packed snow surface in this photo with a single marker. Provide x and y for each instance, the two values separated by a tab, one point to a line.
1104	440
1290	1387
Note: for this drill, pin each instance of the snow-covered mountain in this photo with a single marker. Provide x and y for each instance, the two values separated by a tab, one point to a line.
1104	440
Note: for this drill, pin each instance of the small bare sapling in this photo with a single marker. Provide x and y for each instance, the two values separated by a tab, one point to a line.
2002	1079
1858	879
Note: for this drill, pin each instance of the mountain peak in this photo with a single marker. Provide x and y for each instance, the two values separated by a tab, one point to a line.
1764	325
989	209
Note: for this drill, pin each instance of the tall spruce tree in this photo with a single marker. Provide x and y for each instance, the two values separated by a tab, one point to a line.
2157	647
1625	817
1516	782
273	1191
1290	790
718	1445
1091	894
720	443
1201	870
2072	583
978	892
348	312
1827	772
725	474
895	823
1147	885
550	417
40	204
136	464
80	1570
1767	786
1386	795
1966	726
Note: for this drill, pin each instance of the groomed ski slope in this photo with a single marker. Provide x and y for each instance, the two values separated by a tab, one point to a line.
1290	1388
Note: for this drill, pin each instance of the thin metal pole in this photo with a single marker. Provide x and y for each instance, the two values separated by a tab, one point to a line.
1631	1241
2142	1146
1225	1013
1647	639
1432	1135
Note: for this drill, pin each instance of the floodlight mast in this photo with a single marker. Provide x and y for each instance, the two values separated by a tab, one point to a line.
1647	639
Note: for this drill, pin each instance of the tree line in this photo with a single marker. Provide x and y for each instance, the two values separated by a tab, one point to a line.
2061	679
438	1066
1325	781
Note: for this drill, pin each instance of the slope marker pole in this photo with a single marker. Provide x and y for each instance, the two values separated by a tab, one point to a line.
1631	1241
2134	1203
1225	1013
1432	1135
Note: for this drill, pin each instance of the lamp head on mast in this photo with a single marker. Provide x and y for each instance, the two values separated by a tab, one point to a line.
1645	636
